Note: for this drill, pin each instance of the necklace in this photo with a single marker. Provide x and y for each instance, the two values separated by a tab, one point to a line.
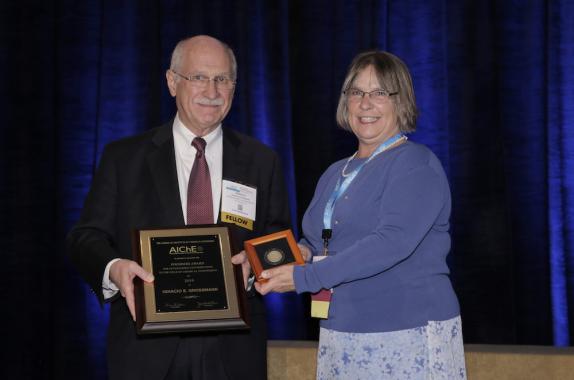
373	155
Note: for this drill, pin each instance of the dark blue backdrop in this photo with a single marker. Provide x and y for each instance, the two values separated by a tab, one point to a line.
494	82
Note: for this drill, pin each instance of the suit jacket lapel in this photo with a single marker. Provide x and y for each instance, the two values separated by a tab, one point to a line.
235	160
161	162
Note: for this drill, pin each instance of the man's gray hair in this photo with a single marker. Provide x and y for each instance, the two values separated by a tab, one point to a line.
178	51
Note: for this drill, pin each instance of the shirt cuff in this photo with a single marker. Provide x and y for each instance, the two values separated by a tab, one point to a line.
109	289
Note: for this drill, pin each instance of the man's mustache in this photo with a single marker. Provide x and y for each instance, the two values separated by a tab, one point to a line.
209	102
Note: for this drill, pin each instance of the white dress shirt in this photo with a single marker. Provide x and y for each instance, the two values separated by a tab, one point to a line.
184	159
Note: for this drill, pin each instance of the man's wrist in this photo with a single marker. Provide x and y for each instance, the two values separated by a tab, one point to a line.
109	289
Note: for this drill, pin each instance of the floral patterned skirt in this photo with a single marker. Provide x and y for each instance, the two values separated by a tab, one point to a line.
434	351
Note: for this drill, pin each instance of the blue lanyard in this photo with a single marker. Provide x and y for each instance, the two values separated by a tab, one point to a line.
342	185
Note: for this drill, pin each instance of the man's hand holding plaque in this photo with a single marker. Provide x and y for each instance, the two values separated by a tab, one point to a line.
122	274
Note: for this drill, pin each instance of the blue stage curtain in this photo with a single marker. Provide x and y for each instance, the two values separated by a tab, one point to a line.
559	126
494	83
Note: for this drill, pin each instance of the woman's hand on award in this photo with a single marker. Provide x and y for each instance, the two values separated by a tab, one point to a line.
122	274
279	279
241	259
305	252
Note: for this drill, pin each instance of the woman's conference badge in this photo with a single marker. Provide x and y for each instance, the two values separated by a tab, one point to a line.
321	300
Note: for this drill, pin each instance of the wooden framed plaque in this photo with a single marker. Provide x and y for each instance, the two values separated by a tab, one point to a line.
196	287
272	250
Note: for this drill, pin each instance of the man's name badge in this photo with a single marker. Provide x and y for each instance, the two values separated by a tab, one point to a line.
321	300
238	204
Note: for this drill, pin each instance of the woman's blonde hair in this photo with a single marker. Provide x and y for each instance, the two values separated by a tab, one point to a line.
393	76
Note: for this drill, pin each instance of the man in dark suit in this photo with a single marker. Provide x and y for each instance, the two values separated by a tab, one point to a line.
151	180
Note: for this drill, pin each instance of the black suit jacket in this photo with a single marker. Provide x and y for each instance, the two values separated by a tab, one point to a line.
136	186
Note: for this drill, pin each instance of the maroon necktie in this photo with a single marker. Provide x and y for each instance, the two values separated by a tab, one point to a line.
199	200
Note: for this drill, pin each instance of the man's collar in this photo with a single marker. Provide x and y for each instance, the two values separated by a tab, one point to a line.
180	129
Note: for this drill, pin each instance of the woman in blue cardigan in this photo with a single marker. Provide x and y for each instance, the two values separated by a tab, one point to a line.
379	223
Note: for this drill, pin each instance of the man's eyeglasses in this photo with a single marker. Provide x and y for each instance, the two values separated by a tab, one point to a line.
376	96
199	80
